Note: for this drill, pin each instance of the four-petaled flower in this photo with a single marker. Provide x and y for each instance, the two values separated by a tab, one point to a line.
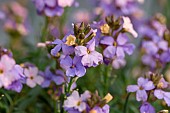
32	77
143	86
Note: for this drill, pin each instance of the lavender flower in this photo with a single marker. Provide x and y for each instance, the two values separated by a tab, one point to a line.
73	66
162	95
90	57
52	7
15	19
143	86
147	108
77	102
67	50
50	76
117	47
32	77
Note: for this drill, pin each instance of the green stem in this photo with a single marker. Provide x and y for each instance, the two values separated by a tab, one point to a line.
126	102
44	31
106	79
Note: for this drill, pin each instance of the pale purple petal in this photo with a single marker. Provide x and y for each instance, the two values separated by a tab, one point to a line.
132	88
149	85
109	52
147	108
71	72
167	98
118	63
159	94
129	48
120	52
50	3
55	50
80	50
142	81
141	95
122	39
107	40
66	63
91	46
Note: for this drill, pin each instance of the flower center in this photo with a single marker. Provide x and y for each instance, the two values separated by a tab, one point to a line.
1	71
78	103
88	51
31	77
115	44
141	88
72	66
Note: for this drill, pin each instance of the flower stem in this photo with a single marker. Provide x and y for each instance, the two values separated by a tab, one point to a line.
126	102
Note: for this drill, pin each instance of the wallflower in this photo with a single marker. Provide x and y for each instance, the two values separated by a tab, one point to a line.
73	66
143	86
52	7
90	57
77	102
60	45
147	108
49	76
160	94
32	77
117	47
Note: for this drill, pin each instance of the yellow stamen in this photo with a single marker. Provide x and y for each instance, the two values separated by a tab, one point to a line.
105	28
93	111
70	40
108	97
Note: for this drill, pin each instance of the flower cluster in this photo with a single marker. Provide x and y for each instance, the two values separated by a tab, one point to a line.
148	88
77	51
87	102
13	76
52	8
114	39
15	18
155	43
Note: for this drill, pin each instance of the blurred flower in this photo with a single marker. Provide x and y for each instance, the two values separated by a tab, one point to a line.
127	25
147	108
15	19
49	76
32	77
52	7
143	86
162	95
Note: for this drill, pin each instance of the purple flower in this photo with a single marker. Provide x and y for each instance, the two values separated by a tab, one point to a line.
77	102
118	63
15	86
90	57
104	109
49	76
162	95
32	77
117	47
52	7
67	50
73	66
143	86
6	66
147	108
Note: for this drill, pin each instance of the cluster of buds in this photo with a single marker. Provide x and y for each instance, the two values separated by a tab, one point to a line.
151	87
87	103
114	39
76	51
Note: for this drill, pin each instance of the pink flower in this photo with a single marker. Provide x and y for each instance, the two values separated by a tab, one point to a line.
32	77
